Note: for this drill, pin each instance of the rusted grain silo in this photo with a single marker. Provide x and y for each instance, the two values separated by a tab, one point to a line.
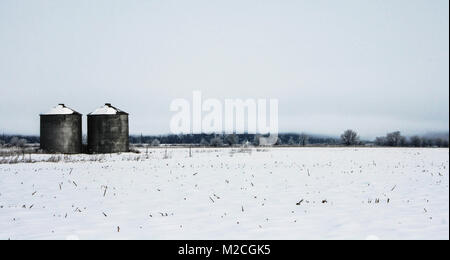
108	130
61	130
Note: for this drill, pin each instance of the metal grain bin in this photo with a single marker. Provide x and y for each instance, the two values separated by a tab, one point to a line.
108	130
61	130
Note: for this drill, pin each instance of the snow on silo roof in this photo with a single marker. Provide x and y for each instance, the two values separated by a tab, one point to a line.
61	109
107	109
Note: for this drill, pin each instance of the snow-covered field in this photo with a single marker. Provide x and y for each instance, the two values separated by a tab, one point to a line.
274	193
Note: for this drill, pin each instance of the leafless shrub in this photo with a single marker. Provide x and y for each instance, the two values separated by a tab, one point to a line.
155	142
133	150
97	158
243	150
216	141
54	158
350	137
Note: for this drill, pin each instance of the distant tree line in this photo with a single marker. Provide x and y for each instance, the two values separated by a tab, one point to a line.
17	140
348	138
395	139
233	139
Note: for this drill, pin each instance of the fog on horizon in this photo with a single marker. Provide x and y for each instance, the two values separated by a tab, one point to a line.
372	66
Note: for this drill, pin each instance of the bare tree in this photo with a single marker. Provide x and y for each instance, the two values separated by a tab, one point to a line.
303	139
415	141
291	141
403	141
438	142
155	142
427	142
246	143
21	143
350	137
203	142
14	141
395	139
216	141
380	141
232	139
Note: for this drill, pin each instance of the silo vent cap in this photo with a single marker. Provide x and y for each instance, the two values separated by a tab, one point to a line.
107	109
61	109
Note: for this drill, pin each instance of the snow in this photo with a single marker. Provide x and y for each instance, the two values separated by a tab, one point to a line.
105	110
264	193
60	110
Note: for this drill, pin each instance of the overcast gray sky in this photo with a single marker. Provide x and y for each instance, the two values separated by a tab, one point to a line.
370	65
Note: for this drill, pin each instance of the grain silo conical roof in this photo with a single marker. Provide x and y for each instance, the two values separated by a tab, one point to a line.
107	109
61	109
